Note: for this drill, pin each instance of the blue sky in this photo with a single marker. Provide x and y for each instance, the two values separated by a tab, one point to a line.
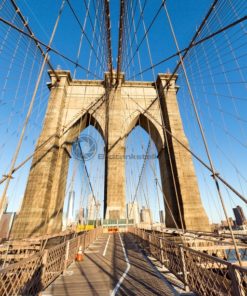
216	69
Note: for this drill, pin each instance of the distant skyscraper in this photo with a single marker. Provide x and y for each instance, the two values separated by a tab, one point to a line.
146	216
133	212
6	223
70	209
224	223
81	216
3	206
239	215
97	210
162	216
91	208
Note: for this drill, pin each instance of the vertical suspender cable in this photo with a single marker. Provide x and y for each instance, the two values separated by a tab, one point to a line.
17	9
214	173
120	39
81	39
9	175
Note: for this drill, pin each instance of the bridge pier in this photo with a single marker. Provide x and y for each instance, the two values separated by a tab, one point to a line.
115	201
70	111
180	161
41	210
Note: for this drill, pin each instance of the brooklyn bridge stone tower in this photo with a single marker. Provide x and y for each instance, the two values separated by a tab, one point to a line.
73	105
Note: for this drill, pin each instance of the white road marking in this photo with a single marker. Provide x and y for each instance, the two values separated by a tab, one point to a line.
106	245
113	293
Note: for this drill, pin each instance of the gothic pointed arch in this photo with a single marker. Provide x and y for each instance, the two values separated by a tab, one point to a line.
79	124
149	126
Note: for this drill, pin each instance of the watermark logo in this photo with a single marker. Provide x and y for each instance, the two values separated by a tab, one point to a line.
84	148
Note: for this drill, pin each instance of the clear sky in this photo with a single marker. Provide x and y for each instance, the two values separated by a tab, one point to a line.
216	70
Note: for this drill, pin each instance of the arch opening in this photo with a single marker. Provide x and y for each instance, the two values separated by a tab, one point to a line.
144	196
160	185
84	194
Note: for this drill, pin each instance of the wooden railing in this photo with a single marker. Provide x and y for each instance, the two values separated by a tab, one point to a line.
202	273
32	275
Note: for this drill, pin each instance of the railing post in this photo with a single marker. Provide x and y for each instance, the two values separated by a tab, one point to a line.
161	252
150	243
78	241
184	270
66	256
142	236
145	238
84	241
91	236
87	238
44	263
237	288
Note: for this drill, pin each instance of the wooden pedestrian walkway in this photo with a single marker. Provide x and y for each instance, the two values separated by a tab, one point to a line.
113	265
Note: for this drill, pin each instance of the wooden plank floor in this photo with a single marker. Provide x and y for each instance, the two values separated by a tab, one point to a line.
103	267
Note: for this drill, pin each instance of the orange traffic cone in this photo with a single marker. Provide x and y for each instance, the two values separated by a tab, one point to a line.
79	255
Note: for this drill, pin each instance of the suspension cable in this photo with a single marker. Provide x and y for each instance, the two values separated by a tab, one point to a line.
108	31
83	31
146	111
203	136
163	123
86	170
120	39
194	44
18	11
47	46
15	169
9	176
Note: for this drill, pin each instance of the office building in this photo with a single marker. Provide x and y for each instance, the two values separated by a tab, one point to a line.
239	215
70	209
146	215
133	212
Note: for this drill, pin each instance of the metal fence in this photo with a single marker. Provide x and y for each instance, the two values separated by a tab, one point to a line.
32	275
202	273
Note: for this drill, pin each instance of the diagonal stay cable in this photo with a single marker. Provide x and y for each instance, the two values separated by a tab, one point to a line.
194	44
84	32
146	111
108	32
140	175
145	34
100	100
163	122
120	38
137	26
30	109
18	11
99	21
81	42
48	47
205	143
102	32
86	170
92	25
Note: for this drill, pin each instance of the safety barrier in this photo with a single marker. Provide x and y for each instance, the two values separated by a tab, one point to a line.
202	273
32	275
